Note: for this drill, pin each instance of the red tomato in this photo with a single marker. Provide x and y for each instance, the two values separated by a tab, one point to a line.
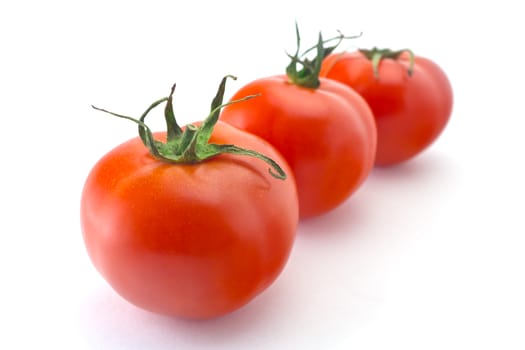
327	135
190	240
196	240
411	110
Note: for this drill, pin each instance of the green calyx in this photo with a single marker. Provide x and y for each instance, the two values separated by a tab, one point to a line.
191	144
308	74
376	55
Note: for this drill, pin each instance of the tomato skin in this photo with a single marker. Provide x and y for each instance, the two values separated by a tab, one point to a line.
327	135
194	241
410	111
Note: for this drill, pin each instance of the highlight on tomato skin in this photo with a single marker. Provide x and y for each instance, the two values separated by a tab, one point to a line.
324	129
411	98
194	240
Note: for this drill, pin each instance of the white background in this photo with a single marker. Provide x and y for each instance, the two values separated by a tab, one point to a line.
427	255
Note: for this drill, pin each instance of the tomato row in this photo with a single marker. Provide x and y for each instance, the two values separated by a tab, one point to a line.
196	221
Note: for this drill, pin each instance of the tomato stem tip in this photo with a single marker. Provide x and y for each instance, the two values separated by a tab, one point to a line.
375	55
308	75
191	144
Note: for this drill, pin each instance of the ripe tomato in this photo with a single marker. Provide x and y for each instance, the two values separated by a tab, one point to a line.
191	240
324	130
410	96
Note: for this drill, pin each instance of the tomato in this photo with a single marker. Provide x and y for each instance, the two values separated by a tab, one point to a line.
411	98
327	135
193	240
324	130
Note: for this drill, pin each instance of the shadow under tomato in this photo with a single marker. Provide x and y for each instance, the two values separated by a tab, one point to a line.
420	167
428	176
107	321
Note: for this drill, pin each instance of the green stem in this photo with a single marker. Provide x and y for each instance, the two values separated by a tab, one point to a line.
375	55
145	132
191	144
308	74
172	127
339	39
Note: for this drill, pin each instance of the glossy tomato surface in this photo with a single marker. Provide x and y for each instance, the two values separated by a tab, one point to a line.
194	241
327	135
411	111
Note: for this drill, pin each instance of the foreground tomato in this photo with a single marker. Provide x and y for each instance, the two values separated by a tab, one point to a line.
411	97
194	240
324	129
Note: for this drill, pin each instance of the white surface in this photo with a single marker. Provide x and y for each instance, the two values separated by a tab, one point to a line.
428	255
